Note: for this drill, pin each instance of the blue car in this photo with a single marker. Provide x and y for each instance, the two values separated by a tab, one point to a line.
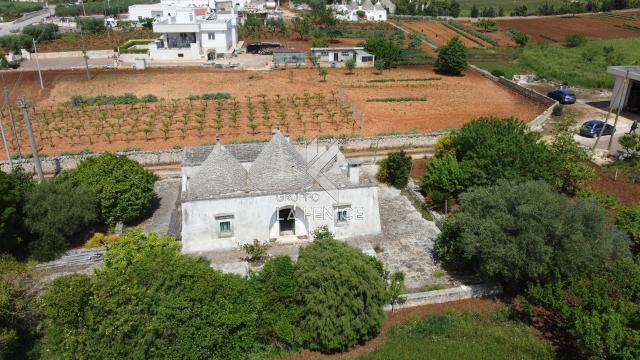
563	96
592	128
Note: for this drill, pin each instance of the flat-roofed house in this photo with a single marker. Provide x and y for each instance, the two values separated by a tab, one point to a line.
336	57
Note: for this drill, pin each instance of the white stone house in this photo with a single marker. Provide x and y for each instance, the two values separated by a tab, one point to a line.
353	11
236	193
188	35
336	57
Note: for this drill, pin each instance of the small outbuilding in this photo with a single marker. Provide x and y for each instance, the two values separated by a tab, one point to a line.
336	57
284	57
626	91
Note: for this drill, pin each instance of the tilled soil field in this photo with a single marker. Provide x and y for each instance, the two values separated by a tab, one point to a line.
555	29
436	31
296	99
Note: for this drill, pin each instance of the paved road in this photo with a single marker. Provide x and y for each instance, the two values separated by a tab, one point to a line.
5	28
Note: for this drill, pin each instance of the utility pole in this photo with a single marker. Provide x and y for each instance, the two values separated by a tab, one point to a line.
7	103
625	88
38	64
84	54
6	146
32	140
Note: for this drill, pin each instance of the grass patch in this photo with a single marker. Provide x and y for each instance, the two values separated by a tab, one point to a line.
399	99
584	66
403	80
462	336
473	32
433	287
628	167
439	274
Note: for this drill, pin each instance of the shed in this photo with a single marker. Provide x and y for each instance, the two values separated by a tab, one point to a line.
288	56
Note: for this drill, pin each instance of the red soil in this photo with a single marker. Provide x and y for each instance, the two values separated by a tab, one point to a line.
557	28
402	316
436	31
451	102
627	192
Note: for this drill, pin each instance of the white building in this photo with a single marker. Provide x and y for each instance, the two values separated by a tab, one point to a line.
336	57
626	91
236	193
365	12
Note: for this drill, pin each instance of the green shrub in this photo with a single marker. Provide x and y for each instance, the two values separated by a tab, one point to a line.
278	312
56	212
497	73
518	36
452	57
256	250
630	143
598	309
443	176
607	201
12	197
350	65
124	189
211	96
342	292
517	233
127	98
18	320
90	24
14	43
575	40
387	52
395	169
629	219
41	32
557	110
487	24
320	43
148	301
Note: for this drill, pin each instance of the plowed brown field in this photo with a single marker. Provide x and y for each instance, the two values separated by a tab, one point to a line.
555	29
450	102
436	31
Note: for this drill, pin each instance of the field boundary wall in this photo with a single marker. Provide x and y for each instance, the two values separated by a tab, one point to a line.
461	292
157	158
536	123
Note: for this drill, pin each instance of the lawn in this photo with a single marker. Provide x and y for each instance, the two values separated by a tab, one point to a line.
507	5
583	66
463	336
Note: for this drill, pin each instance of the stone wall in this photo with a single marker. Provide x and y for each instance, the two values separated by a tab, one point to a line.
536	123
92	54
159	158
461	292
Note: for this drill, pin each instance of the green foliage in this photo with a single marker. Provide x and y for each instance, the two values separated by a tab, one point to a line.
575	40
127	48
452	57
628	218
17	318
557	110
395	169
56	212
124	189
98	7
147	302
443	175
14	188
211	96
256	250
464	336
599	309
473	32
517	233
497	73
11	10
323	72
342	292
320	43
573	169
397	99
386	50
350	65
14	43
630	143
487	24
395	289
302	26
278	311
489	149
127	98
518	36
90	25
607	201
41	32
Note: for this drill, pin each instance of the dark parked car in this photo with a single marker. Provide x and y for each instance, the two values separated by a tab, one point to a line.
563	96
592	128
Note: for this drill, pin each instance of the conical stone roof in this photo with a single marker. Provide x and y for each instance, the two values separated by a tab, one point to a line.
367	5
220	173
279	167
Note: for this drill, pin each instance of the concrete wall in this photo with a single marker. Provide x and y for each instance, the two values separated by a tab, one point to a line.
92	54
256	217
453	294
532	94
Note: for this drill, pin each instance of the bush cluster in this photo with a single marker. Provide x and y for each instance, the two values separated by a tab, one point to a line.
395	169
211	96
100	7
11	10
128	98
473	32
127	47
149	300
452	57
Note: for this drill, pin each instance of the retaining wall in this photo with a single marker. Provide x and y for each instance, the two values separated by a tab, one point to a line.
30	15
536	123
53	165
461	292
92	54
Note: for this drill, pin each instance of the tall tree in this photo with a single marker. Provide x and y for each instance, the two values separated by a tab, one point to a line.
452	57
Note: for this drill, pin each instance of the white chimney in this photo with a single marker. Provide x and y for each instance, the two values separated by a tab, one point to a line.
353	171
